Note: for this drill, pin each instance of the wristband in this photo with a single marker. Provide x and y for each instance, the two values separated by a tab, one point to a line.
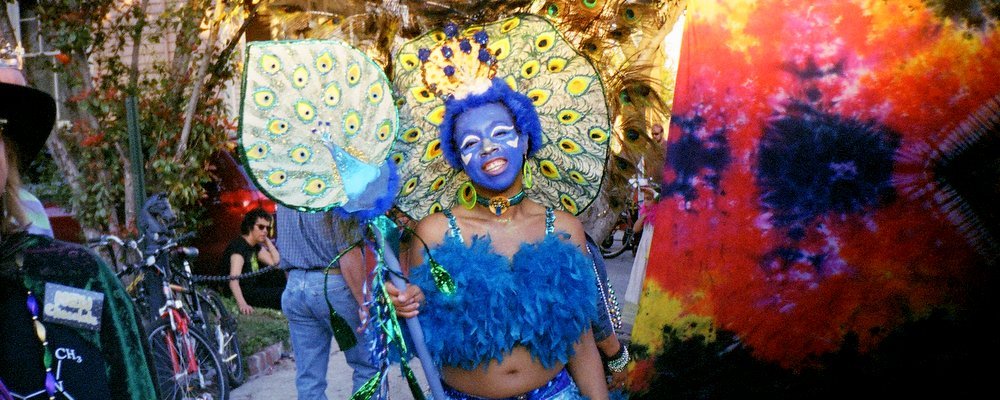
619	361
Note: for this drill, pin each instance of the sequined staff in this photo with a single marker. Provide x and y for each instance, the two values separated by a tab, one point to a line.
317	124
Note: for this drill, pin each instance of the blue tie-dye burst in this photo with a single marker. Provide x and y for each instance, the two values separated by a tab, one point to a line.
812	163
690	156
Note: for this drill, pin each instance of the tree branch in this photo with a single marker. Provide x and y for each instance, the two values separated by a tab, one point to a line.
199	80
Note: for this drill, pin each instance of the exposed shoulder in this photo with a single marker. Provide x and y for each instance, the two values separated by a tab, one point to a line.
431	228
566	222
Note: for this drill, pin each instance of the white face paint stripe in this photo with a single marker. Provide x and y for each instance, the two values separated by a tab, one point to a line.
499	127
466	141
511	143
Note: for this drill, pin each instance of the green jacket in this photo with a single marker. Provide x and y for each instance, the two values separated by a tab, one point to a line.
28	262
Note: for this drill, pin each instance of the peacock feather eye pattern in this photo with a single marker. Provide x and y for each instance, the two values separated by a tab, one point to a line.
314	114
545	41
539	96
376	92
305	111
534	59
569	117
270	64
530	69
411	135
500	49
421	94
352	123
325	63
436	116
598	134
509	25
409	61
556	64
432	151
300	77
258	151
264	98
579	85
331	94
353	74
301	154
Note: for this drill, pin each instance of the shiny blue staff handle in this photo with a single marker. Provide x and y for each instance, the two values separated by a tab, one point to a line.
412	323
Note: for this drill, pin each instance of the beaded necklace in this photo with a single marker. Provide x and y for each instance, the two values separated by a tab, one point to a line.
32	304
50	379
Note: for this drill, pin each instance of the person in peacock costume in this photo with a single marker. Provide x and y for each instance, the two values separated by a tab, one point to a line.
483	108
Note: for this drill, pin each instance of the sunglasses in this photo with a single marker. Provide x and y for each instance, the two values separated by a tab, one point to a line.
263	227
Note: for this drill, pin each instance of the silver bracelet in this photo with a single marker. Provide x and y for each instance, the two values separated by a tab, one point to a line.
619	363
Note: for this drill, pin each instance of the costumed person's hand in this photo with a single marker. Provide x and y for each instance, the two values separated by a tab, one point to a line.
617	380
363	315
246	309
407	302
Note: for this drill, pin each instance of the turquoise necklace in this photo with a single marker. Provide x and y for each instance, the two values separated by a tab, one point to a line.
500	204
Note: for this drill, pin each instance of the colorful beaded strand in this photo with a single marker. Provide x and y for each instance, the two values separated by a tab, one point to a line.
50	379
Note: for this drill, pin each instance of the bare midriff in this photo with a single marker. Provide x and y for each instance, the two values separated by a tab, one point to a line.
517	374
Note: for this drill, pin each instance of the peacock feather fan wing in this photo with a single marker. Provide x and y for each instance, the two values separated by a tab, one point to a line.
317	123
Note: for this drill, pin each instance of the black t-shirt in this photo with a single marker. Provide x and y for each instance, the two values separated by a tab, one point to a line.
251	264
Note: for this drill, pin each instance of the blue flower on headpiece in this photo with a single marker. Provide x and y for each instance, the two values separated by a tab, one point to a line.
449	70
447	52
484	55
465	46
481	37
451	30
424	54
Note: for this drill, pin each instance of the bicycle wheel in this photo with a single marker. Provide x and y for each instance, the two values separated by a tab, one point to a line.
220	325
616	243
178	375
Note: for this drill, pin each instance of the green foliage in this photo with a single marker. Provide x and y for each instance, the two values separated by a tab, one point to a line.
259	330
96	35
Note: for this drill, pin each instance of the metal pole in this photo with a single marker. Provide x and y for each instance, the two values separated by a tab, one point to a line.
135	155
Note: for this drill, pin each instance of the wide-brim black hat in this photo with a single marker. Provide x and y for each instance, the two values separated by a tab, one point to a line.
30	114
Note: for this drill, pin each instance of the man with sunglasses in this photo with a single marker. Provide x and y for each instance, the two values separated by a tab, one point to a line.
251	249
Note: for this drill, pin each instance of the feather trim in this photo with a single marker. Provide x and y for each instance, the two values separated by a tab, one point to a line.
543	299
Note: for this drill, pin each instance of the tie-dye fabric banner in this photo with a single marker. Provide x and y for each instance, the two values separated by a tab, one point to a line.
829	218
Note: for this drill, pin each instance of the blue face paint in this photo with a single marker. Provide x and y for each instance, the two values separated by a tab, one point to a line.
491	148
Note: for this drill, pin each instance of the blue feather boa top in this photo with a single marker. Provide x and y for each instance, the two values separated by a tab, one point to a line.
543	299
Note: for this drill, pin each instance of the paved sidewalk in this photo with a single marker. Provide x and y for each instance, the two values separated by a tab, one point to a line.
280	383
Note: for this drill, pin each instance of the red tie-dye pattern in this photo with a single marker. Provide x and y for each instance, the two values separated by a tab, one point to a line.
902	67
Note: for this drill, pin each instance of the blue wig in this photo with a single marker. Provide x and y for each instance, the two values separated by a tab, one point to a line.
520	106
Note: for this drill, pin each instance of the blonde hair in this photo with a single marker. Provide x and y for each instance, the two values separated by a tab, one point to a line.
13	217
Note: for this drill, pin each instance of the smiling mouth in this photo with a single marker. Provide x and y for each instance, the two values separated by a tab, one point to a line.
495	166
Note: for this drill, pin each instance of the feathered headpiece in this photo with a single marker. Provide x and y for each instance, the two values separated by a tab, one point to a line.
458	66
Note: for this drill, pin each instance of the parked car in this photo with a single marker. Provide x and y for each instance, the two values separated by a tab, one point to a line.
228	198
64	225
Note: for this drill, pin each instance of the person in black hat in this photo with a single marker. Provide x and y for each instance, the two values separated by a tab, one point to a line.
69	328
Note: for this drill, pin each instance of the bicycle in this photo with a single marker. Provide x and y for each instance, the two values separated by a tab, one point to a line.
185	361
622	237
212	317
